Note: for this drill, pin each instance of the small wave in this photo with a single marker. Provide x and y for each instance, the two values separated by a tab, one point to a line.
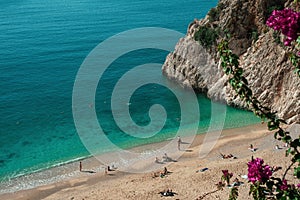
37	177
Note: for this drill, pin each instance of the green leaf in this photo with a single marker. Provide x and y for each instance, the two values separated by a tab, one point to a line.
249	92
239	71
281	133
233	193
270	185
242	91
296	143
232	82
297	157
228	71
273	126
298	40
276	135
287	138
288	151
245	80
279	195
223	64
252	189
297	172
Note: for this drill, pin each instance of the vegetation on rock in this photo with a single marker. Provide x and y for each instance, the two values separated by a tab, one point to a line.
206	36
263	184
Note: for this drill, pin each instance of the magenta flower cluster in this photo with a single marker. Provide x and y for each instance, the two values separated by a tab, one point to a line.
287	21
227	174
284	186
258	172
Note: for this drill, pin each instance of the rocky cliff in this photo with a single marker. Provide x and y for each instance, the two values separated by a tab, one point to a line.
265	62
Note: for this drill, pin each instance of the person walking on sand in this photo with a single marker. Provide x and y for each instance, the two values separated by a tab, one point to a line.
80	166
165	171
178	142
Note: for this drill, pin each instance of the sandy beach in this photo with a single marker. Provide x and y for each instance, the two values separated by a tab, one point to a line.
186	178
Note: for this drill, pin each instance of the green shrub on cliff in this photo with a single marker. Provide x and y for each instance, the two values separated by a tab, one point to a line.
206	36
214	13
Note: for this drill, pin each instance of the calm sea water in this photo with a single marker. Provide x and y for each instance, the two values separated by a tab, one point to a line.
42	47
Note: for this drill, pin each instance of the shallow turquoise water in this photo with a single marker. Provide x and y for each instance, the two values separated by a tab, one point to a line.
43	46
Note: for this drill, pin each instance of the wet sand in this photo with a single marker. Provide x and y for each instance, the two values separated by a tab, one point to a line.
186	177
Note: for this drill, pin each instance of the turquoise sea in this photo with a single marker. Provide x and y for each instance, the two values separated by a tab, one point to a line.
43	44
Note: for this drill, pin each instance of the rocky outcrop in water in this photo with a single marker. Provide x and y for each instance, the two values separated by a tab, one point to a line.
266	64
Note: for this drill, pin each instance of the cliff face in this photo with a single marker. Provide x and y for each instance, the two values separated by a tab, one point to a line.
266	64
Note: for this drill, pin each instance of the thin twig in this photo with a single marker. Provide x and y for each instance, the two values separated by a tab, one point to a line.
286	171
206	194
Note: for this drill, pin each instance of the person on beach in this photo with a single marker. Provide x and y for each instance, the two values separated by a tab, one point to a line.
113	167
178	142
157	160
165	171
277	147
228	156
167	192
252	148
236	183
80	166
166	158
275	168
110	169
161	175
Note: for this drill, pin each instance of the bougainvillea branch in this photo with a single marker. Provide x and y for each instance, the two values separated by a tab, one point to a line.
263	184
259	174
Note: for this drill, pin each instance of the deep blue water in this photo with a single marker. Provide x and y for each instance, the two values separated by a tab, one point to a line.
43	45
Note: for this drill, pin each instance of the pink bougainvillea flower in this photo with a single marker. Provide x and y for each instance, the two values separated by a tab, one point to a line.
287	21
226	176
258	172
284	185
226	173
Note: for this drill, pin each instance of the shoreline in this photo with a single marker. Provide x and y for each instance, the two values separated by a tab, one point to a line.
69	169
71	177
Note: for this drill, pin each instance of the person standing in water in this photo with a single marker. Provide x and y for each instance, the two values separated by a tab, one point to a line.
178	142
80	166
